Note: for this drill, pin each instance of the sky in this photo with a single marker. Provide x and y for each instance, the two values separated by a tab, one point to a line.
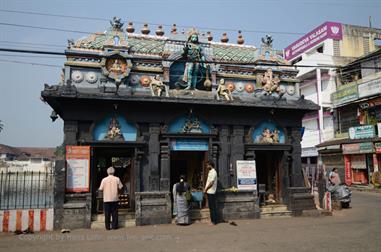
26	118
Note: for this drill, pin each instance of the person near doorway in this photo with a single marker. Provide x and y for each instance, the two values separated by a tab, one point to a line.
210	190
334	177
110	186
181	190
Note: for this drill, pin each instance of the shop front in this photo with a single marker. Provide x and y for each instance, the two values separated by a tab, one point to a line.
358	158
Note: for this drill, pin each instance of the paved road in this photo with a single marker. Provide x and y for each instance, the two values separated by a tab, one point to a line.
355	229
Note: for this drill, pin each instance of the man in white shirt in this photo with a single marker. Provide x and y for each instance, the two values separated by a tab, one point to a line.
210	190
110	186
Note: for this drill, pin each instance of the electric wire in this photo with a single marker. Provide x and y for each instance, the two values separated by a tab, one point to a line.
184	60
137	22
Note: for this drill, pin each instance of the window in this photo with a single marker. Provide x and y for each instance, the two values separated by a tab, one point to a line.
35	160
320	49
336	48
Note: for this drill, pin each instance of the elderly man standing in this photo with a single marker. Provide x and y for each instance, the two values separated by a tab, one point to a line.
110	186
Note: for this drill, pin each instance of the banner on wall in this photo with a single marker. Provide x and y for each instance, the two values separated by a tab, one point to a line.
77	168
348	171
246	175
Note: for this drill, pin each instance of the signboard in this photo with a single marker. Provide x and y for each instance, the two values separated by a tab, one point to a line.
377	147
246	175
190	145
345	93
379	129
328	30
358	162
77	168
370	88
348	171
360	132
358	148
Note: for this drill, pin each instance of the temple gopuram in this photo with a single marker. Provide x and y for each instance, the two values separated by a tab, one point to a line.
155	107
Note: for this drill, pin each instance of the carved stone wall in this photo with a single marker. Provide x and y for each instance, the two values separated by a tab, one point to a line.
153	208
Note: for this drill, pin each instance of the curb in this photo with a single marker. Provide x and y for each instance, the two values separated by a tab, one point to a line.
371	190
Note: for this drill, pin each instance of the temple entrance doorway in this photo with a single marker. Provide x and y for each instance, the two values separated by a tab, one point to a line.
268	165
192	165
123	162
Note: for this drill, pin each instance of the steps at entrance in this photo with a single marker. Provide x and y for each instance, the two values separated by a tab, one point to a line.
200	215
197	216
275	211
125	219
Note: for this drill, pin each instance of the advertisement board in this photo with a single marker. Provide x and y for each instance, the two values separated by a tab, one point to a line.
370	88
345	93
246	175
360	132
328	30
77	168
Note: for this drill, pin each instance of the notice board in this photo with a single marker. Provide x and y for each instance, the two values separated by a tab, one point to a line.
246	175
77	168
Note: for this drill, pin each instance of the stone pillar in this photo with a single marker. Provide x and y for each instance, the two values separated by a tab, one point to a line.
165	167
224	158
237	150
296	176
70	132
59	193
153	156
286	159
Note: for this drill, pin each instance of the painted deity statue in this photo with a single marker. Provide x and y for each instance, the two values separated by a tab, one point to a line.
193	54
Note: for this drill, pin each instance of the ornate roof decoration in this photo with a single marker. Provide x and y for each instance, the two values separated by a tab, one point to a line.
116	24
165	46
142	45
99	40
231	53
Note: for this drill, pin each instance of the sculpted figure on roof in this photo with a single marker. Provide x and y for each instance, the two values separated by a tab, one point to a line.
195	60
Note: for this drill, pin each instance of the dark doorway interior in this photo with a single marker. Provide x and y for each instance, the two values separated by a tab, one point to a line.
122	161
192	165
269	172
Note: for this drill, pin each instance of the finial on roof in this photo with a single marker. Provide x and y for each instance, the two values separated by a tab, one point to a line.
160	31
116	23
224	38
210	36
130	27
268	40
174	29
145	29
240	39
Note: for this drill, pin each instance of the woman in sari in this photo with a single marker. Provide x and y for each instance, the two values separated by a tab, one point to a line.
180	190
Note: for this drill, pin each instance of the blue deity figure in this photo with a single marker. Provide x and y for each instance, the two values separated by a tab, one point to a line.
195	60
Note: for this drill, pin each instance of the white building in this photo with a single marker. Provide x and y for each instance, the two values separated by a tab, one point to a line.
329	44
22	159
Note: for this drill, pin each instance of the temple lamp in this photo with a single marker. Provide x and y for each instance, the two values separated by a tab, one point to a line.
53	116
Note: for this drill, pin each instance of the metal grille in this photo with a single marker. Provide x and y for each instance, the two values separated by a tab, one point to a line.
26	190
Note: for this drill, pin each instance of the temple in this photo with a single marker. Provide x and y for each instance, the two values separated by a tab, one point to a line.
156	106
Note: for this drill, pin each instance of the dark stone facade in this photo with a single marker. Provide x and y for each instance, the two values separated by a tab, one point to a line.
89	92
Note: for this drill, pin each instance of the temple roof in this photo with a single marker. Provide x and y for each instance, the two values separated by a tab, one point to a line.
163	46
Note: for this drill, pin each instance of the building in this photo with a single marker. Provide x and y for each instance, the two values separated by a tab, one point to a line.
156	106
335	44
26	159
357	121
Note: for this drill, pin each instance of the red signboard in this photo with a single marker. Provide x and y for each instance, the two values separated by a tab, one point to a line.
77	168
348	172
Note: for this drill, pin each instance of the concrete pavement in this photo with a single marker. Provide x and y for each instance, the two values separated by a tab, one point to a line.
354	229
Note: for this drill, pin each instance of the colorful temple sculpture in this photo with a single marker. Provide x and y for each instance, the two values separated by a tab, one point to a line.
156	106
